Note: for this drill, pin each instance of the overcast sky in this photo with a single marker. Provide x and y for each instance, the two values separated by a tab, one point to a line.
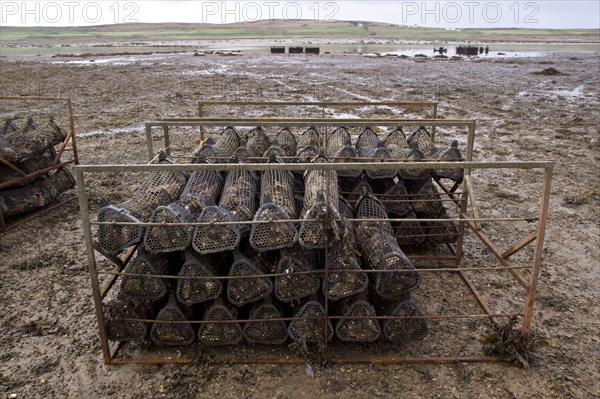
445	14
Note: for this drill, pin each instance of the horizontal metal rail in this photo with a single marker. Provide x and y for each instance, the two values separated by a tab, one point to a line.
308	122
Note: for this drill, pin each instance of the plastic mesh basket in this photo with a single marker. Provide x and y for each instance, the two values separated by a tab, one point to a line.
160	188
171	327
202	189
118	328
452	154
237	203
241	291
396	144
369	146
358	327
320	203
265	332
277	203
39	194
442	232
221	330
381	251
424	198
310	137
408	173
140	282
308	324
29	141
42	161
404	330
295	285
344	277
227	142
207	150
409	234
257	142
195	285
422	139
287	141
340	149
396	200
275	150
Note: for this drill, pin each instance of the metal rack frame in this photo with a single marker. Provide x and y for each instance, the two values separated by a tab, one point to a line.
57	163
239	106
468	219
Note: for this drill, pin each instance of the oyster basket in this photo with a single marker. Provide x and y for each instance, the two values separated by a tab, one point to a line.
408	173
340	148
358	327
120	325
196	285
424	197
442	232
223	328
396	200
227	142
277	203
287	141
202	189
396	143
409	234
32	165
9	126
29	141
275	150
241	291
160	188
294	286
381	251
171	327
140	282
257	142
452	154
369	146
265	331
207	150
404	329
344	276
320	203
310	137
304	155
237	203
308	324
39	194
422	139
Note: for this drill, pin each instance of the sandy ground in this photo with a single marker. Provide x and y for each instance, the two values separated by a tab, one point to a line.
49	343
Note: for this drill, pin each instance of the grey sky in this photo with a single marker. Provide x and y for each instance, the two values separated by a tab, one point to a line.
445	14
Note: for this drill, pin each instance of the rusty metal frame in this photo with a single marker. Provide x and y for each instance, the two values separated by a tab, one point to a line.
466	218
57	163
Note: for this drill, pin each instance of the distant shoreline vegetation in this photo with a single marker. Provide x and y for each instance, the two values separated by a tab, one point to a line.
289	29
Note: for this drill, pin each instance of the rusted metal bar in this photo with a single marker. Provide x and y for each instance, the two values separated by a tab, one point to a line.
87	234
13	167
253	276
167	139
228	167
537	253
434	116
32	216
316	122
522	243
473	201
36	174
149	144
490	245
73	135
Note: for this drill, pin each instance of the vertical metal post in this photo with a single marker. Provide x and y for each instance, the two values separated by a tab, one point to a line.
463	206
89	246
72	127
470	141
201	114
149	142
167	139
537	254
433	128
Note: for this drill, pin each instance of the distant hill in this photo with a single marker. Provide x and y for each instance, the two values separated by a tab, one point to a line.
272	29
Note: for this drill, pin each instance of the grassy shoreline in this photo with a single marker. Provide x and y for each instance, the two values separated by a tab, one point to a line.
288	29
